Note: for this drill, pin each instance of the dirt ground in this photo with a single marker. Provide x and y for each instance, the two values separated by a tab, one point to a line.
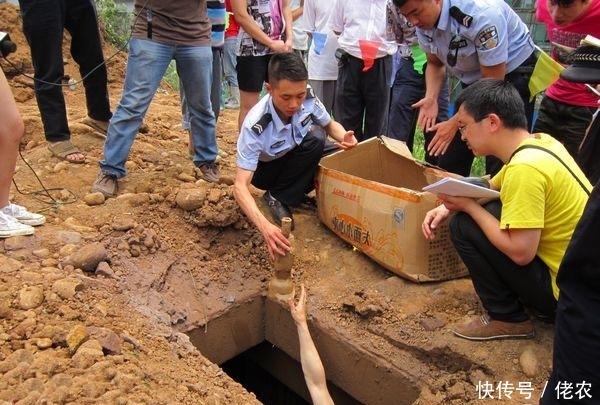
171	248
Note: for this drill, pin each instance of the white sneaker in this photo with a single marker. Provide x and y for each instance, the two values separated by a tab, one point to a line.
22	215
232	104
11	227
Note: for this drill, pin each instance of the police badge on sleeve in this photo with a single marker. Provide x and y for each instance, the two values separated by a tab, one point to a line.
487	38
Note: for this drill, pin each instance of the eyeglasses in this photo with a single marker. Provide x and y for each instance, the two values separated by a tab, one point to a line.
463	128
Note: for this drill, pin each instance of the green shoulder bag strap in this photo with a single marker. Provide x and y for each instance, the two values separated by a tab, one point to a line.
588	192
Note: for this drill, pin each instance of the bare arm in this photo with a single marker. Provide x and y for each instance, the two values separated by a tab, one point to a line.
435	73
496	71
312	367
519	244
249	25
297	13
345	139
288	18
277	243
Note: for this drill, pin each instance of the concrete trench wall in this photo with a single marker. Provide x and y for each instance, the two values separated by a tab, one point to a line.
358	370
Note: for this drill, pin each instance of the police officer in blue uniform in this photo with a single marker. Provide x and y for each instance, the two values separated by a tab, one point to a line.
472	39
281	141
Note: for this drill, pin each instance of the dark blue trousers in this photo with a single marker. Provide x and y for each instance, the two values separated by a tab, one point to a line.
576	355
408	88
291	176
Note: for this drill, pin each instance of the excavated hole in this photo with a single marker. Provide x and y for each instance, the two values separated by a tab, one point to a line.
256	344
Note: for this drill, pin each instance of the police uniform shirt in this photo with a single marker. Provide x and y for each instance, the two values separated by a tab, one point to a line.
264	137
494	34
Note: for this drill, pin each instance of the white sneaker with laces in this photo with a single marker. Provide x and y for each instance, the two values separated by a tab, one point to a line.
11	227
22	215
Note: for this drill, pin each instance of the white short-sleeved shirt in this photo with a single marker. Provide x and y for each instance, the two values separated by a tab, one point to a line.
264	137
363	20
496	34
316	14
299	37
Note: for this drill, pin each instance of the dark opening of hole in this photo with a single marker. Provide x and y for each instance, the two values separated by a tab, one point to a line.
276	378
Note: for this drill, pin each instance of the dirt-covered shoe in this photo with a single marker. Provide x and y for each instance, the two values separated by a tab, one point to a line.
96	125
22	215
106	184
9	226
210	172
278	209
485	328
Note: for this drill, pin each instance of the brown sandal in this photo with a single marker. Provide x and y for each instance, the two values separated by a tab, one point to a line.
100	127
64	150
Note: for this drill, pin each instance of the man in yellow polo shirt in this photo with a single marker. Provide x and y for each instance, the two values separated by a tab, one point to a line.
512	246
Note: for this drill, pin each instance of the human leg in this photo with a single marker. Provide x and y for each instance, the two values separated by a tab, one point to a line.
230	74
251	74
185	117
86	48
349	105
589	151
146	64
197	87
43	23
376	93
215	90
576	353
408	88
13	218
291	176
230	61
325	91
503	286
567	123
11	131
288	179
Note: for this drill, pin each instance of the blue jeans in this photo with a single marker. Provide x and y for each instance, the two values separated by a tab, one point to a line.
215	91
230	61
146	65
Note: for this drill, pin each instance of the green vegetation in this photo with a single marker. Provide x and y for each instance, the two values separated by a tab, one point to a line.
478	168
115	20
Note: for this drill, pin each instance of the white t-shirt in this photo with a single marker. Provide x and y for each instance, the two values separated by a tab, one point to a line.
316	14
358	20
299	37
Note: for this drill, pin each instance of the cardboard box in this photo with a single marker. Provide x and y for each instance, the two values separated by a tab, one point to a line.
371	197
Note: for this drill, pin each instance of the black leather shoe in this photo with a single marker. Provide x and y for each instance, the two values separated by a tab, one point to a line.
309	201
278	209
